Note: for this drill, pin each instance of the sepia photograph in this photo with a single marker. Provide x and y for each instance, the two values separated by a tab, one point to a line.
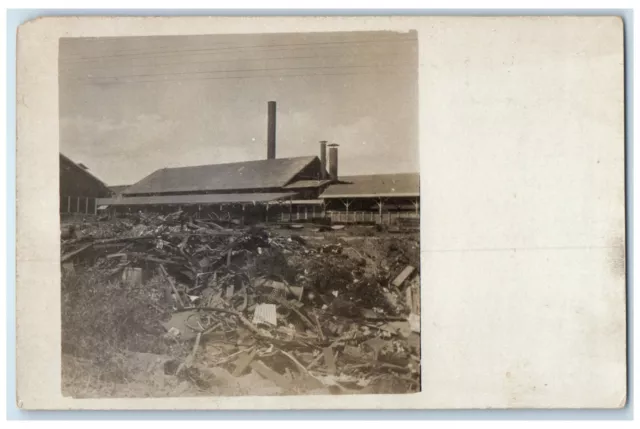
239	215
320	213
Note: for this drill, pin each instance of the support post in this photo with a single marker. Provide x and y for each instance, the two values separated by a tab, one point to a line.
380	204
290	209
86	205
346	206
416	204
305	213
68	204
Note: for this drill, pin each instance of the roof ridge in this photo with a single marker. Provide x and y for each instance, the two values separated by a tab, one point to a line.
240	162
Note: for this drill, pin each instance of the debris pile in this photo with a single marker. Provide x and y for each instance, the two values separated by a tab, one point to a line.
304	314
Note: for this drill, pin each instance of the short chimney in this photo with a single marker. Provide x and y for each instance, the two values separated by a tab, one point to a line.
323	159
333	161
271	130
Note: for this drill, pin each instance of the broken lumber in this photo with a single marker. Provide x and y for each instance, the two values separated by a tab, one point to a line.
163	270
329	359
244	361
70	255
269	374
189	360
295	291
404	275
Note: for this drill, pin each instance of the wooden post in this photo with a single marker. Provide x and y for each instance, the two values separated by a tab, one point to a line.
290	209
416	204
266	211
77	204
313	211
305	213
346	206
86	205
68	204
380	203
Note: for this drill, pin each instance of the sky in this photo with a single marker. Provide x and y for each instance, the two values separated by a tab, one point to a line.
132	105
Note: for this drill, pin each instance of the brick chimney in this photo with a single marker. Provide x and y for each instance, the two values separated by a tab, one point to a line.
323	159
333	161
271	130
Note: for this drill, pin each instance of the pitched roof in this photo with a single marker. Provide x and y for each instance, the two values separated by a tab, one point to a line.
84	169
266	173
375	185
300	184
117	189
196	199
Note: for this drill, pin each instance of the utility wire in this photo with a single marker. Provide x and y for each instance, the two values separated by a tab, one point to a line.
159	54
242	70
107	49
185	63
116	82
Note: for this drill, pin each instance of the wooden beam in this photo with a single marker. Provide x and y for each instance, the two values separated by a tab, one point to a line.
380	204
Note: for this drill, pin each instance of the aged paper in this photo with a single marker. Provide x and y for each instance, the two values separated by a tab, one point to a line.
522	239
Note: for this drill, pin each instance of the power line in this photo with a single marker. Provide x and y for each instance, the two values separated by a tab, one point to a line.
105	49
242	70
88	81
184	63
182	51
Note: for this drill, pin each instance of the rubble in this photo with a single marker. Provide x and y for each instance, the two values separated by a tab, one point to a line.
302	313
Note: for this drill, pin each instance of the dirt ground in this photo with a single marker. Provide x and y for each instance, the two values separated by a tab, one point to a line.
115	345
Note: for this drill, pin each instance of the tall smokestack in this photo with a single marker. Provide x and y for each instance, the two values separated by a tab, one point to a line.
271	131
333	161
323	159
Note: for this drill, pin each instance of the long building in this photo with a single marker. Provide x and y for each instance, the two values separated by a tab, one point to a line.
270	189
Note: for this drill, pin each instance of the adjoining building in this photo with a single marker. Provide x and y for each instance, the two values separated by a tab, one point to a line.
79	189
378	198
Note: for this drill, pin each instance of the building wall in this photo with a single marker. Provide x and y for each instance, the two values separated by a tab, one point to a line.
78	189
310	172
75	182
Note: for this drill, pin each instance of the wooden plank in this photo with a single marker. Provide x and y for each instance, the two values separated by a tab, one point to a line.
243	362
173	286
404	275
329	360
70	255
270	374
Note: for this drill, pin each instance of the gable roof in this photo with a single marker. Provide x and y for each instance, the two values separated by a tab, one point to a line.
375	185
262	174
117	189
85	170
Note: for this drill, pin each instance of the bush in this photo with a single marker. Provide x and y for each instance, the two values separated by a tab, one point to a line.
101	318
